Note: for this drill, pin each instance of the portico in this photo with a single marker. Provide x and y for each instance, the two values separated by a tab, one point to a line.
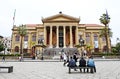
60	31
60	36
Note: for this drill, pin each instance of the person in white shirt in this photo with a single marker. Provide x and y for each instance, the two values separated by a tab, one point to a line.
64	58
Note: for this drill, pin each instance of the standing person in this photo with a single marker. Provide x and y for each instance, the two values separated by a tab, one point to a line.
64	59
67	58
75	57
85	52
20	59
91	63
3	58
61	57
82	63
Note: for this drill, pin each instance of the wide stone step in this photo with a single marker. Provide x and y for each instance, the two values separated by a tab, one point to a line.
58	51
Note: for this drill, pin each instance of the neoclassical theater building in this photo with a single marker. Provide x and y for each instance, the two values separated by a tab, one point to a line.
59	31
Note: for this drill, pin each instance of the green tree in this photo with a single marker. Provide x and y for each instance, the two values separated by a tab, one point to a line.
22	31
118	47
105	19
114	50
1	46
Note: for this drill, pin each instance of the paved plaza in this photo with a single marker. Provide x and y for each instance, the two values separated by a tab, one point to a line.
56	70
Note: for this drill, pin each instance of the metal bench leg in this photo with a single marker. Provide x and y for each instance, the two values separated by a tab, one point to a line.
87	70
69	70
80	70
9	70
84	70
91	70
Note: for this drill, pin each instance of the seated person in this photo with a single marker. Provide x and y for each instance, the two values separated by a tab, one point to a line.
72	63
91	63
82	63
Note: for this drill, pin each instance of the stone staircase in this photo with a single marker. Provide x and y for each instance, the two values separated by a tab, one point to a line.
57	51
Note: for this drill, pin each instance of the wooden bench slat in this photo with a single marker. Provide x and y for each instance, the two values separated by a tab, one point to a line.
88	68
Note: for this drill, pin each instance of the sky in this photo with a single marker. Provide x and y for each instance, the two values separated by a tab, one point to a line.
31	12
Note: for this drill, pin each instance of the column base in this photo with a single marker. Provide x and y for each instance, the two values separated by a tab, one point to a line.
64	47
50	46
57	46
71	46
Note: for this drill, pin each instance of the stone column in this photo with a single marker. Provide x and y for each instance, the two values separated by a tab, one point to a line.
71	37
91	40
50	36
77	37
84	37
64	36
100	42
29	40
57	36
44	35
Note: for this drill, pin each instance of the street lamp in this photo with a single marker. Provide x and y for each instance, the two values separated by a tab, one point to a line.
42	54
41	43
81	42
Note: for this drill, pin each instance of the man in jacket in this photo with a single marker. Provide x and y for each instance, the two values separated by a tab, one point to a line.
91	63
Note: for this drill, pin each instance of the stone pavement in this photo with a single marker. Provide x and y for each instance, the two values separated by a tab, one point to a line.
56	70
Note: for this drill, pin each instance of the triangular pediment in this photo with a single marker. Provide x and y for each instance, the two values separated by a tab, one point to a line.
60	18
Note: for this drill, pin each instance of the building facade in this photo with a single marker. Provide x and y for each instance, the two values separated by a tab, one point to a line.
59	31
7	44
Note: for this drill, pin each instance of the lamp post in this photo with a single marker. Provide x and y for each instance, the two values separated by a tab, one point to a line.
81	42
42	44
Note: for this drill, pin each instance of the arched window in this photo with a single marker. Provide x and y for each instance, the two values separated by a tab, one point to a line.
17	37
16	49
104	48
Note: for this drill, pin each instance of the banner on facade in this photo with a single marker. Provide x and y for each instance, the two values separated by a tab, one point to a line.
25	44
96	44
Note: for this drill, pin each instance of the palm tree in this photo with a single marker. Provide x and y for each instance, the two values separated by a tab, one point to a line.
105	32
22	31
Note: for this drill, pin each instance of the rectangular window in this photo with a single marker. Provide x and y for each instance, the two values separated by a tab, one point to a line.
95	37
87	37
103	39
34	37
26	38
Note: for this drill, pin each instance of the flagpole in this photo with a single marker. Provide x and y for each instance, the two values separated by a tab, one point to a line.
14	17
13	28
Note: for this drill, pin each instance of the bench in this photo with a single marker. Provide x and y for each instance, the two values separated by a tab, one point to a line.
85	69
10	68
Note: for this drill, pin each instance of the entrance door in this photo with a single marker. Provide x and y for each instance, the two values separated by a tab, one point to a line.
60	41
61	37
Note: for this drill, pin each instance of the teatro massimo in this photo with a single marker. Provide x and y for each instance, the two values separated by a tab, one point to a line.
59	33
